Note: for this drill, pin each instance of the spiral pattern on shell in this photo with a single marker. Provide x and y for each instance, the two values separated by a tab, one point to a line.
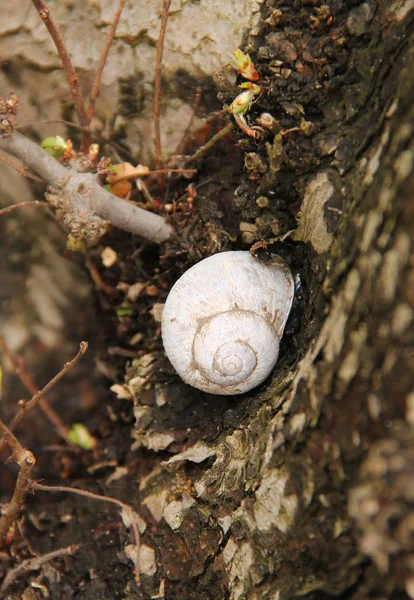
223	320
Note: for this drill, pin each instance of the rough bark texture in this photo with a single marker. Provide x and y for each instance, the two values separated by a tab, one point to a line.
303	488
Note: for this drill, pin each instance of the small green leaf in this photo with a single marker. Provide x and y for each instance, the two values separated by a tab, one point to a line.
81	436
54	145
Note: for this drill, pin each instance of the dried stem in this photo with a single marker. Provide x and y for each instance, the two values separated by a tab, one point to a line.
180	146
26	462
130	176
84	195
157	87
33	564
39	396
70	71
8	209
128	512
216	138
21	170
102	60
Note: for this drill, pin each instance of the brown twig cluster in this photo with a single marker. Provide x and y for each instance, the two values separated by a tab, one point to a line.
39	397
22	456
26	461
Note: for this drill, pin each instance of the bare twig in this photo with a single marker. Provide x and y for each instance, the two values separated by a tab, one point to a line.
103	139
84	196
33	564
180	146
8	209
130	176
39	396
26	462
157	87
129	514
70	71
216	138
102	60
30	385
21	170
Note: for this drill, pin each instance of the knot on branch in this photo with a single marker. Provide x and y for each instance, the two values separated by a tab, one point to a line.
84	226
8	110
87	227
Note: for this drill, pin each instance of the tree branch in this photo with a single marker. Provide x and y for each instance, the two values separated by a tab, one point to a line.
26	462
82	195
68	68
157	86
33	564
102	60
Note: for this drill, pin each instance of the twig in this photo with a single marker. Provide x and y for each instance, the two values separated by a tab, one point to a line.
128	511
33	564
157	87
180	145
26	462
84	195
68	68
8	209
21	170
39	396
129	176
216	138
101	138
102	60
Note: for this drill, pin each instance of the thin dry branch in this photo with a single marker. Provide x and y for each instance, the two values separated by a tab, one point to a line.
26	462
102	60
39	396
157	87
82	194
33	564
181	144
216	138
21	169
68	68
128	512
30	385
11	208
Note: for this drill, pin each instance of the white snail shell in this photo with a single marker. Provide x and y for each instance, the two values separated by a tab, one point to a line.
223	320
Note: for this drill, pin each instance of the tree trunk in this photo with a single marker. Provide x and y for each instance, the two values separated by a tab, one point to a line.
304	487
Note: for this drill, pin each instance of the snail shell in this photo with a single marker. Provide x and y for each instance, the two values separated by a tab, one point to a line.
223	320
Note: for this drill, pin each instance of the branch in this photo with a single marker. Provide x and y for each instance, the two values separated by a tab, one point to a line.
102	60
39	396
21	170
157	85
33	564
68	68
12	207
129	516
83	196
211	142
26	462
